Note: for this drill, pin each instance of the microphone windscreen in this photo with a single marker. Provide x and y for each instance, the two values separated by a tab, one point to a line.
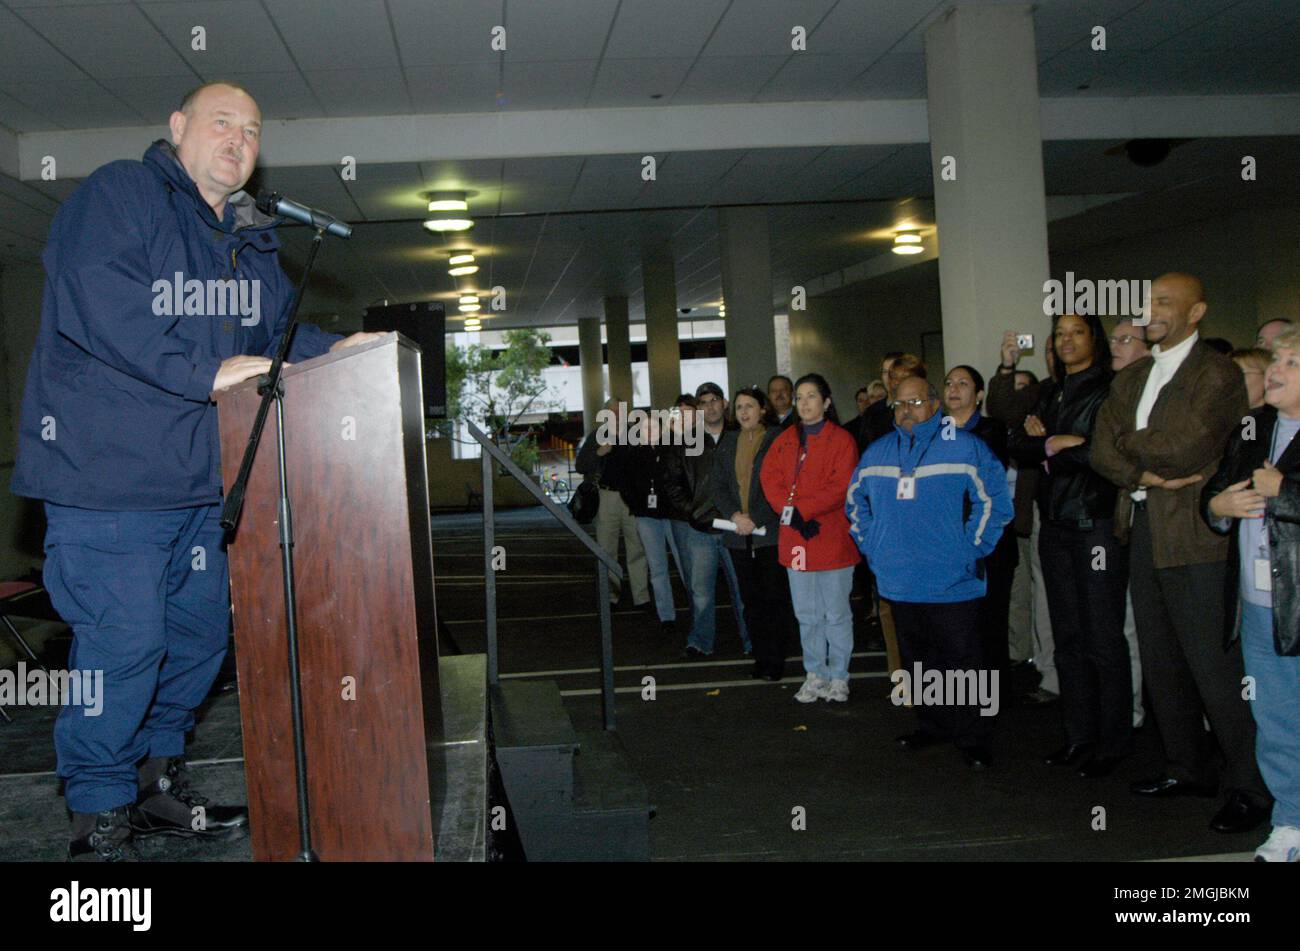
266	201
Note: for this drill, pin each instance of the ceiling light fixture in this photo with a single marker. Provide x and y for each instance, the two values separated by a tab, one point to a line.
461	257
471	308
443	208
907	242
463	270
469	299
448	201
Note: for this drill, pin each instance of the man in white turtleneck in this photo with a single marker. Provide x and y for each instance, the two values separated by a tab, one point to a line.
1159	435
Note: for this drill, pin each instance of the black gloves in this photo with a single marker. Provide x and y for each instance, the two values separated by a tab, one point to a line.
808	529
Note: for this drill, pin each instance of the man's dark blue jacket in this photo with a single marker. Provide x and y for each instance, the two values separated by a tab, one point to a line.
116	412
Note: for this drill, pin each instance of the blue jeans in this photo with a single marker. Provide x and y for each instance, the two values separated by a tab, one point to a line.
1277	712
821	603
655	533
147	595
702	552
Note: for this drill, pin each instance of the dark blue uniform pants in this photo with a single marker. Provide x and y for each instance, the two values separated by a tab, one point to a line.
147	595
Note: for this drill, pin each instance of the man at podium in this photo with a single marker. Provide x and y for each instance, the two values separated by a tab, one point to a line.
163	284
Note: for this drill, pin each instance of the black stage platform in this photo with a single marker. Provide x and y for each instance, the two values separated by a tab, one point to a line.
725	760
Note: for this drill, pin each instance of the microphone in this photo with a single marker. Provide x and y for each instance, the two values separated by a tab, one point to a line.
273	203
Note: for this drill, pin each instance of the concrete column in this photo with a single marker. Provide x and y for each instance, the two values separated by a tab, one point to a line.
592	363
986	150
747	289
618	341
663	350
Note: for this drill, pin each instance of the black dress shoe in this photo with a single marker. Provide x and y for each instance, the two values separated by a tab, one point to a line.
169	806
1239	814
1099	767
691	652
977	757
1071	754
774	676
1166	786
917	740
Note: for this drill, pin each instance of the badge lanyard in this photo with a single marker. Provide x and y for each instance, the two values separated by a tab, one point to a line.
1263	562
652	500
907	483
787	513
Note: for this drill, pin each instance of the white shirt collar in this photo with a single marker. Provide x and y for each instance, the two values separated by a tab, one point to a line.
1177	353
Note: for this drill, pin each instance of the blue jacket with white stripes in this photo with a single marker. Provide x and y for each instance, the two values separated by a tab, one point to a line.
929	548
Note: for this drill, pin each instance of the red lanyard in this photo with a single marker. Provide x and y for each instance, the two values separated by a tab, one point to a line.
803	454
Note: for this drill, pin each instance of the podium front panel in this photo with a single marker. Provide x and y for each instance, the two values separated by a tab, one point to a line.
354	446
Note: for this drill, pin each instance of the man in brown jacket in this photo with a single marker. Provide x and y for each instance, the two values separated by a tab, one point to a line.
1159	436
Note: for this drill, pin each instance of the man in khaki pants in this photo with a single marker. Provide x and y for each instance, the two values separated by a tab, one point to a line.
605	462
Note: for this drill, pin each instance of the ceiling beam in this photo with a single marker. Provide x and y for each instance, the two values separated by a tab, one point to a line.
659	130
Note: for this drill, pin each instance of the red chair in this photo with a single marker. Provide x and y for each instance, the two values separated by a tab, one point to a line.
24	599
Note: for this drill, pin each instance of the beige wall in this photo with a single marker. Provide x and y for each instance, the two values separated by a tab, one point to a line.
448	478
844	335
1250	263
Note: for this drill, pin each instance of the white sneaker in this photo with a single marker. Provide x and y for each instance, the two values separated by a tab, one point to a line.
1282	846
838	690
814	688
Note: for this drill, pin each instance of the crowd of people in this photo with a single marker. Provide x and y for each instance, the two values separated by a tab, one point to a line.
1133	517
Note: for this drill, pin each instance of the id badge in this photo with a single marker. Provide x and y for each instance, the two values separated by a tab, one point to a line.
651	501
1263	575
907	487
787	514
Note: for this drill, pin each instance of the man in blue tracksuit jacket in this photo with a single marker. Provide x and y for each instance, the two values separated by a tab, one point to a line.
119	438
926	505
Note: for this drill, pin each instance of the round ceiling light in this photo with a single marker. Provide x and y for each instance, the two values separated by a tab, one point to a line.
448	201
907	242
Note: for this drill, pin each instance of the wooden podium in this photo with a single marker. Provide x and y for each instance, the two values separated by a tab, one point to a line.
354	449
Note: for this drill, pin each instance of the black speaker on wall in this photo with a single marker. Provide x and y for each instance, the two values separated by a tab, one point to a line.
426	324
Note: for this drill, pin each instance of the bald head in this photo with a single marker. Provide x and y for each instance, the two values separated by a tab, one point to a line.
1268	332
1177	306
218	135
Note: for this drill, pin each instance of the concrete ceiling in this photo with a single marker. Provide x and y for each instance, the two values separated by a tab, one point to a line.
562	231
99	64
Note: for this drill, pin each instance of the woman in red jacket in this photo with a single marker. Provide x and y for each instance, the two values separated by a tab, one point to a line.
806	478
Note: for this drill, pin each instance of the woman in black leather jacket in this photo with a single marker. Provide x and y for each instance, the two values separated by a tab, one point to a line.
1085	570
1254	498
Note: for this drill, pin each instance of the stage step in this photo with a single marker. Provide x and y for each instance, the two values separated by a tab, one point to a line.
535	743
573	798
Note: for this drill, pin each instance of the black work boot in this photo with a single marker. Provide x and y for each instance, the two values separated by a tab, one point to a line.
168	806
102	837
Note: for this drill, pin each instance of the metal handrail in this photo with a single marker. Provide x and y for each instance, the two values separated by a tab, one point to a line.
605	566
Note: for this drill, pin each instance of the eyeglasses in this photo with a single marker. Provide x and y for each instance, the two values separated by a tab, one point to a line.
1124	340
915	403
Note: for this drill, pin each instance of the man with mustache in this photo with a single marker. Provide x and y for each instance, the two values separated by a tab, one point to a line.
1159	435
119	440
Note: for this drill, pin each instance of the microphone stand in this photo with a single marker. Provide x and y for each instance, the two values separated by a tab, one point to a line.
271	387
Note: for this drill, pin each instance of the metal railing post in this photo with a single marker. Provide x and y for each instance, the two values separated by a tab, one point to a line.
607	567
489	575
606	646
